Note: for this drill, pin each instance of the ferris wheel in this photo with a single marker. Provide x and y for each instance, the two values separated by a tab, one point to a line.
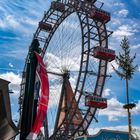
74	45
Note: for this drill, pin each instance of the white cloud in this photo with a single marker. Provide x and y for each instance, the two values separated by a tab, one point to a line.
123	12
116	21
10	38
71	25
124	30
11	77
14	85
30	21
106	92
136	132
110	68
136	46
18	54
55	91
2	24
136	110
115	110
9	22
12	21
118	4
139	68
19	23
14	80
55	64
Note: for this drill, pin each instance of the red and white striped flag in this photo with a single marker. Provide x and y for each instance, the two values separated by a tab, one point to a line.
44	98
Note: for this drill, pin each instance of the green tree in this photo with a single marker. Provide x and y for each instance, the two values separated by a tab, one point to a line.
125	70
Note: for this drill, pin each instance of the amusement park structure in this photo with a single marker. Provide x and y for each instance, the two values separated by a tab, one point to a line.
72	39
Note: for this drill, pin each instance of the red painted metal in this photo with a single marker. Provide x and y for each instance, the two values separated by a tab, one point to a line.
45	26
104	53
100	14
58	6
96	101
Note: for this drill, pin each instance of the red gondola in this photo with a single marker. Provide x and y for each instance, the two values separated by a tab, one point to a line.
45	26
58	6
100	14
96	101
104	53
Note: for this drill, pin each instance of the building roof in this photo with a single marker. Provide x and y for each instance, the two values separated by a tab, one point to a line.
7	127
107	134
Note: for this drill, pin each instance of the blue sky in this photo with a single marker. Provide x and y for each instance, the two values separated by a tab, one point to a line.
18	22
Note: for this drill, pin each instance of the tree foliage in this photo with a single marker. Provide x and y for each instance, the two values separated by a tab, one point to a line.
126	68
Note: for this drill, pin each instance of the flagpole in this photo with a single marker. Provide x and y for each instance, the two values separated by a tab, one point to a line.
28	103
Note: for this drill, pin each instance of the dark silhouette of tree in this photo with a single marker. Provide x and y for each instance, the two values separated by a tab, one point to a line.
125	71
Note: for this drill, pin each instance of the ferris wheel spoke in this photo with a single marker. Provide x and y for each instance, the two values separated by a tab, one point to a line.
55	73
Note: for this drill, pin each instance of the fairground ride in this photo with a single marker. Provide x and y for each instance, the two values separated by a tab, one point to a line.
73	40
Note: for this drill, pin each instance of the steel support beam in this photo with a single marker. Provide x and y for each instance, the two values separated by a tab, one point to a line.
28	103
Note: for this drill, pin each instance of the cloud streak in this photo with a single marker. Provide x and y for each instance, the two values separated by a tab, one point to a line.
115	110
123	12
14	79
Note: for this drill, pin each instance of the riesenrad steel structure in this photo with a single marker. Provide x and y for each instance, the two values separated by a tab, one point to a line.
67	35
